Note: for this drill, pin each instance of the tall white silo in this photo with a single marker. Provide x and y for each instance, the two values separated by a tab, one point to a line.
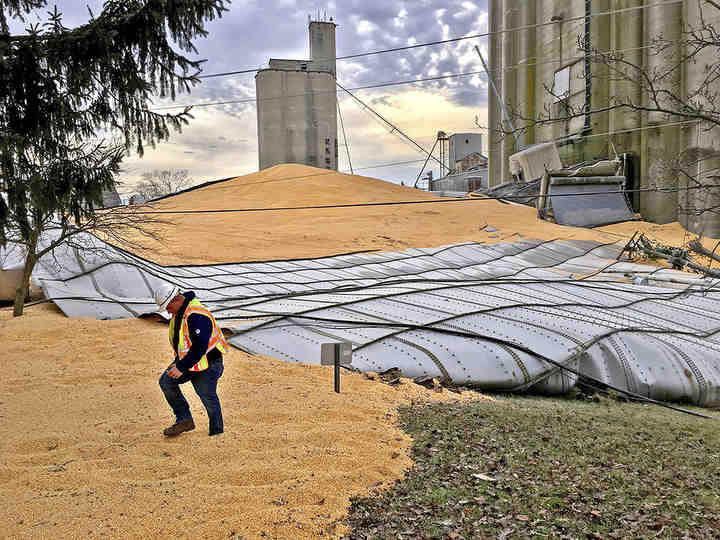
297	106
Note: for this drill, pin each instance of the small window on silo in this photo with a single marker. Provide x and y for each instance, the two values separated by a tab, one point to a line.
561	84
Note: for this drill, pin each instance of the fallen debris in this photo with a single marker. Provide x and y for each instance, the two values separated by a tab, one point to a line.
586	202
677	257
391	376
523	193
427	381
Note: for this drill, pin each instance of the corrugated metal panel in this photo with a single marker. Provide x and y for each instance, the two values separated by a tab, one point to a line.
492	316
589	202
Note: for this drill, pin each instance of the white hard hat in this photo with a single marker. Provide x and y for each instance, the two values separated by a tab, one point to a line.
164	294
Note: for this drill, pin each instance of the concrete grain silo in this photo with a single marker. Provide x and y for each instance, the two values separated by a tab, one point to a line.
462	145
534	46
297	106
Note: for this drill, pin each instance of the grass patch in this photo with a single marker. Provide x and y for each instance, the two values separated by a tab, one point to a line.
527	467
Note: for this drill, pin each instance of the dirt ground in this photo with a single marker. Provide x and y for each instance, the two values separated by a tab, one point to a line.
81	446
82	452
282	234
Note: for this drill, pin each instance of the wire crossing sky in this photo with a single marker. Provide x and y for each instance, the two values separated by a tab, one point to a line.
412	62
222	139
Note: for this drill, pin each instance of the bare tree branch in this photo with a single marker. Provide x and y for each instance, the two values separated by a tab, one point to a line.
163	182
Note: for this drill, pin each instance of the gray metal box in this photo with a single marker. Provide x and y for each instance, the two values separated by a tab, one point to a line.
327	353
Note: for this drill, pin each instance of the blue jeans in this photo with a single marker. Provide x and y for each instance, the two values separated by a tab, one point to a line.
205	384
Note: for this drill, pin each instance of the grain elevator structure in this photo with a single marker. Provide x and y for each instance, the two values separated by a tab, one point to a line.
297	105
546	44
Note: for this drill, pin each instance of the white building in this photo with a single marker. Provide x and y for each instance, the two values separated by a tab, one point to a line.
297	106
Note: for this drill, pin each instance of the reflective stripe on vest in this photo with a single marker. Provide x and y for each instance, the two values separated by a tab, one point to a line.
217	339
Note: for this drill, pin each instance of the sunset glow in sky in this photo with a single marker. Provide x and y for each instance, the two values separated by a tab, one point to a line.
222	139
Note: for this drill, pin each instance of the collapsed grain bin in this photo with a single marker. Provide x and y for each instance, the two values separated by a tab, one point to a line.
12	262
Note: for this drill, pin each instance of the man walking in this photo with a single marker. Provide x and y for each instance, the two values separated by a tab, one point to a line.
198	344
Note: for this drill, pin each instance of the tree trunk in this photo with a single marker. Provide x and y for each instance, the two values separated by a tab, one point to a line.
23	287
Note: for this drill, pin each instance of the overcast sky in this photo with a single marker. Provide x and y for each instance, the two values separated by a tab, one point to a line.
222	140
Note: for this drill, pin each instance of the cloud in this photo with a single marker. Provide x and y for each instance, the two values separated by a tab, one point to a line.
214	145
365	27
222	140
468	8
418	113
382	100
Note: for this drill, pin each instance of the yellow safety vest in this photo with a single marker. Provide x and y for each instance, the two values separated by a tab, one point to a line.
217	339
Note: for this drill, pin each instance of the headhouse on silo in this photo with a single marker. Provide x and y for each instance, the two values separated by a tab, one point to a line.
297	105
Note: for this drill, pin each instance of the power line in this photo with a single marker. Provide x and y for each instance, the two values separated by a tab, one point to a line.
347	146
228	73
366	87
404	82
411	143
410	162
415	81
404	203
428	79
463	38
641	128
516	29
387	122
606	133
397	163
363	168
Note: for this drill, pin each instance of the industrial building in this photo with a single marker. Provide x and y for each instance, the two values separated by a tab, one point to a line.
462	147
539	67
466	165
297	105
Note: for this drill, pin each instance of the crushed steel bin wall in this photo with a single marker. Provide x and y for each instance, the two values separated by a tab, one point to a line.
502	316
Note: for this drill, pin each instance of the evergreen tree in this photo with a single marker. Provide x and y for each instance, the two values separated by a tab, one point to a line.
73	101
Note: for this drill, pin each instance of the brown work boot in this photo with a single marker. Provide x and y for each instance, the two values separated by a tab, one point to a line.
179	427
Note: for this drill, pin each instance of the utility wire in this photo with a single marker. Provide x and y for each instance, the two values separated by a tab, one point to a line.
516	29
365	87
347	145
390	131
392	164
366	167
400	83
463	38
606	133
425	165
415	161
403	203
386	121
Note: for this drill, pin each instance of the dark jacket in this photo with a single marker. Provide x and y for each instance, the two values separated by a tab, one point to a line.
200	329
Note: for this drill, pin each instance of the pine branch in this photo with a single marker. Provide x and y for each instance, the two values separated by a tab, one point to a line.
61	87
